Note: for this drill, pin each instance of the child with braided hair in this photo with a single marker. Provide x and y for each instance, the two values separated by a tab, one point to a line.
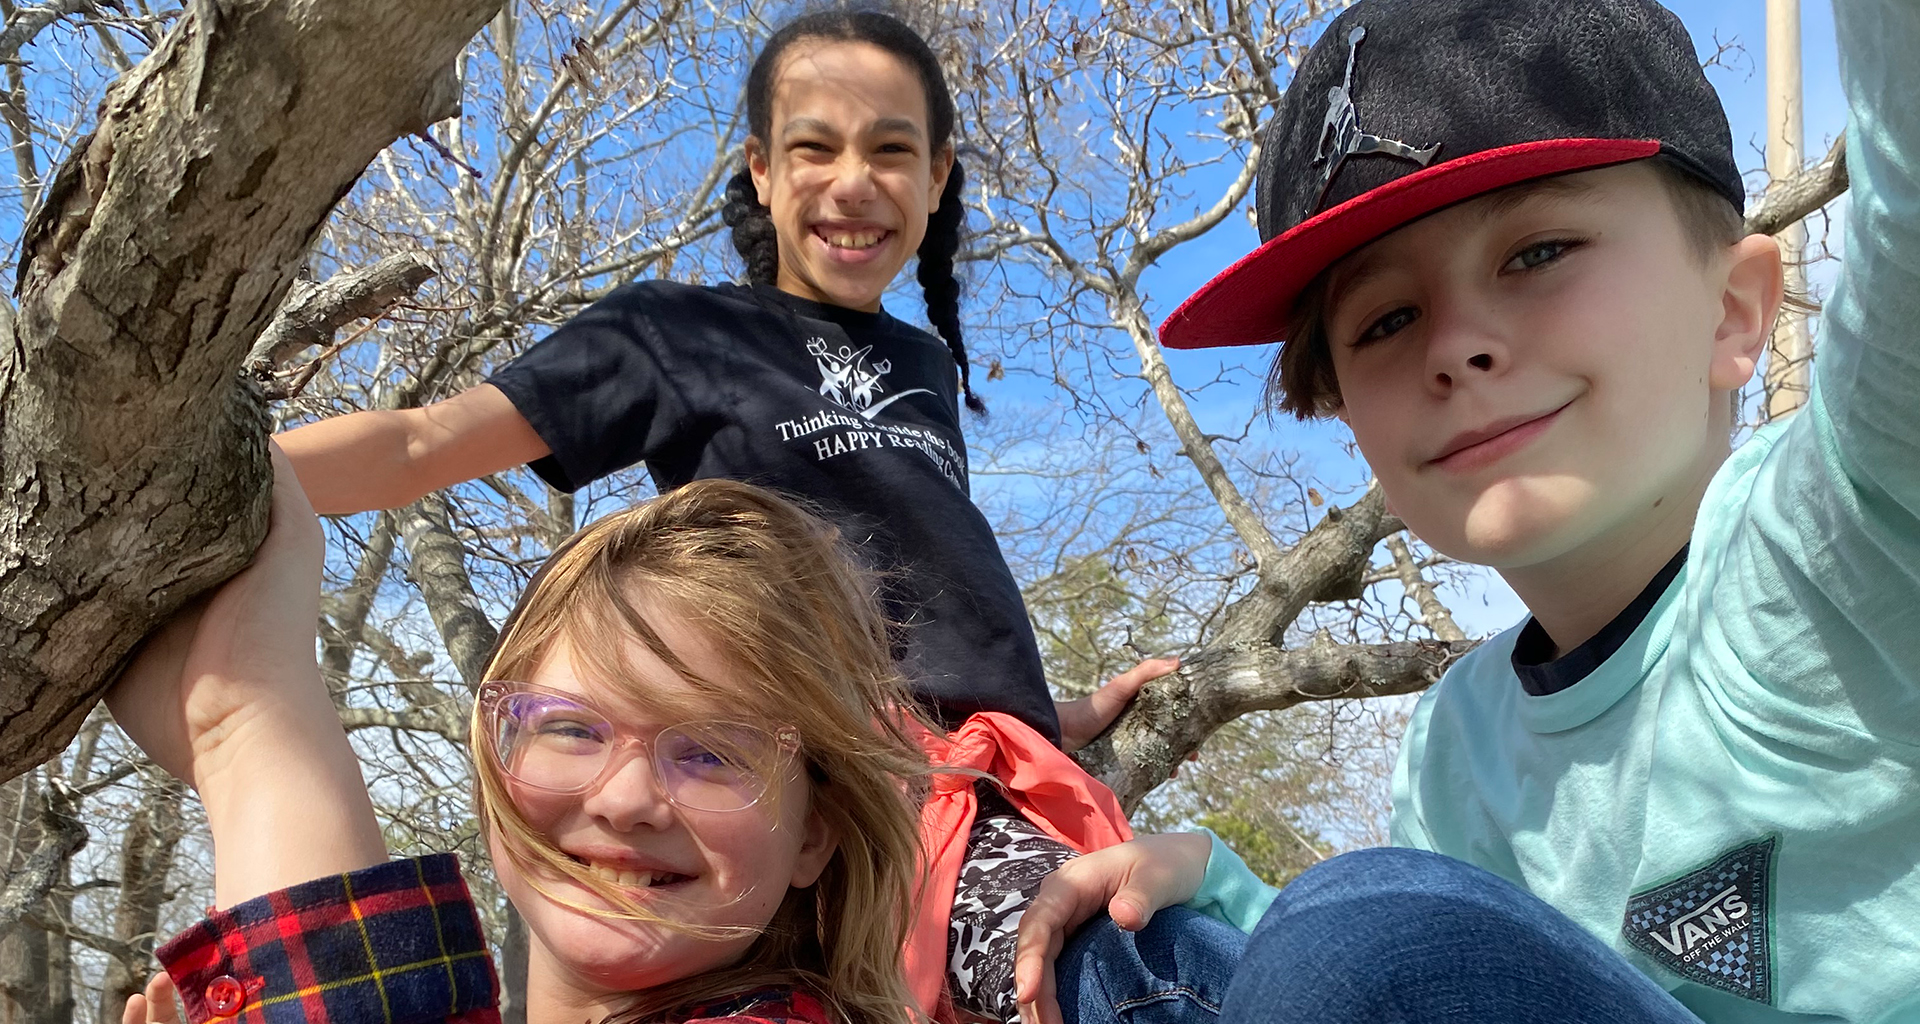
801	381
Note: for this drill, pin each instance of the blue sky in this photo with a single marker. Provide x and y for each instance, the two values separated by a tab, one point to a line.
1488	605
1227	407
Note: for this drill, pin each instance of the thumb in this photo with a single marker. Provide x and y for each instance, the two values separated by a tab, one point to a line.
1131	909
1112	698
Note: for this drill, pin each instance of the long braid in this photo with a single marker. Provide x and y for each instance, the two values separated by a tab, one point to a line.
942	288
753	233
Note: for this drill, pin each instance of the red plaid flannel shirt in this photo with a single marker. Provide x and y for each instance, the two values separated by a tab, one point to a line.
399	943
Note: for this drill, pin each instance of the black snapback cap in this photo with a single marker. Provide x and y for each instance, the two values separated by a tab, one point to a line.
1404	107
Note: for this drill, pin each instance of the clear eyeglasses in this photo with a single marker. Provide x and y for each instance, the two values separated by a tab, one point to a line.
559	742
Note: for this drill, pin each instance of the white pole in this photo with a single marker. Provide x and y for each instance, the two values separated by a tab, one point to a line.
1790	352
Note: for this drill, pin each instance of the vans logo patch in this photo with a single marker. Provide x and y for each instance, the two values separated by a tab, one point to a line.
1711	926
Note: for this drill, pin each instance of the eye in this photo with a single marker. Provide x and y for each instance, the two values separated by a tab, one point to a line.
698	758
1540	254
1388	325
567	736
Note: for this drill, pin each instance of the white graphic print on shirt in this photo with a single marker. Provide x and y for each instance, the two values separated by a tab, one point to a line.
850	382
847	381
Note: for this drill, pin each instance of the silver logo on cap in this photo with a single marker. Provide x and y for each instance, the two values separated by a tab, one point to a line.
1340	134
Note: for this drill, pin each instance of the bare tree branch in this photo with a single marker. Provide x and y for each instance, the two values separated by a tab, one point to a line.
440	571
448	724
1157	245
1433	614
1195	445
313	313
1335	549
28	21
1791	200
1174	715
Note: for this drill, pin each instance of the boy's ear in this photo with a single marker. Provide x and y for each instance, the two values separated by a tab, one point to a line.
757	166
817	846
1750	302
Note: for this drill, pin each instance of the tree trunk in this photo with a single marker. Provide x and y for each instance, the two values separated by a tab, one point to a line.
133	469
146	861
36	986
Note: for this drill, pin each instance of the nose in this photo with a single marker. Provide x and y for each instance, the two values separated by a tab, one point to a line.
852	185
630	795
1462	344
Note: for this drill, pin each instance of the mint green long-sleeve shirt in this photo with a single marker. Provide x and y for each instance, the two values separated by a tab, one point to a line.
1732	800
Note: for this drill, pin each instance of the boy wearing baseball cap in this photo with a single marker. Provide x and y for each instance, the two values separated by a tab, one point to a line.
1503	242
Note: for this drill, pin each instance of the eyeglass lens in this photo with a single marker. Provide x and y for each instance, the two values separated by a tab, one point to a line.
553	743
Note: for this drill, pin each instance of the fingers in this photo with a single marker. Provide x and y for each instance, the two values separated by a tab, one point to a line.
1111	699
1038	999
1067	898
1082	720
156	1006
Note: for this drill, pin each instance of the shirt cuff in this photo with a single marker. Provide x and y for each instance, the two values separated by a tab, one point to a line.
1231	892
399	943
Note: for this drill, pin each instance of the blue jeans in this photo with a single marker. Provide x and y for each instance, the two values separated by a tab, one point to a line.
1382	936
1176	970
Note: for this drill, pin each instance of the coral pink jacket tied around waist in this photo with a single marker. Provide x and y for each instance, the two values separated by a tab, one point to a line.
1044	783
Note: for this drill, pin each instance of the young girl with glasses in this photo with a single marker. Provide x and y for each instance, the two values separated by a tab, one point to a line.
693	774
697	774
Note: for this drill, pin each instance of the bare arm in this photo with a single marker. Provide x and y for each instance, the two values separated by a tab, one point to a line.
387	458
227	697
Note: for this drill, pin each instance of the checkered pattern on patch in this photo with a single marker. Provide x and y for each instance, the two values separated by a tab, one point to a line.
399	943
1680	904
1732	961
1733	955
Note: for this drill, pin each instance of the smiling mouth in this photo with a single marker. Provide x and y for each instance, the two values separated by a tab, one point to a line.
631	879
1473	452
852	240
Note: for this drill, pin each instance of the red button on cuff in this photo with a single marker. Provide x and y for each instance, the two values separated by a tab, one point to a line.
225	996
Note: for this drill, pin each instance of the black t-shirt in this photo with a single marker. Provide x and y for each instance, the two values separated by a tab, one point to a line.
856	412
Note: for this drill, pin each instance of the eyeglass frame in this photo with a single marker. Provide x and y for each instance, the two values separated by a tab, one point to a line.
491	692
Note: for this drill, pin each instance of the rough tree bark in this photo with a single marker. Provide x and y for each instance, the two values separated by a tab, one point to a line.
1791	200
1245	667
132	458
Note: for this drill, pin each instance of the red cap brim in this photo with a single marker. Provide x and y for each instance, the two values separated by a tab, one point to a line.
1249	302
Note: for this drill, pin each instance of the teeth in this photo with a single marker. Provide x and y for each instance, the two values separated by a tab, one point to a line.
628	879
855	239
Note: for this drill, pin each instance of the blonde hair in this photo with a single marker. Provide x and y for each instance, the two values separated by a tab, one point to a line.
774	589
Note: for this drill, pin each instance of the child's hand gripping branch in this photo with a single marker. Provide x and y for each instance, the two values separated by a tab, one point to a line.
228	698
1084	719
